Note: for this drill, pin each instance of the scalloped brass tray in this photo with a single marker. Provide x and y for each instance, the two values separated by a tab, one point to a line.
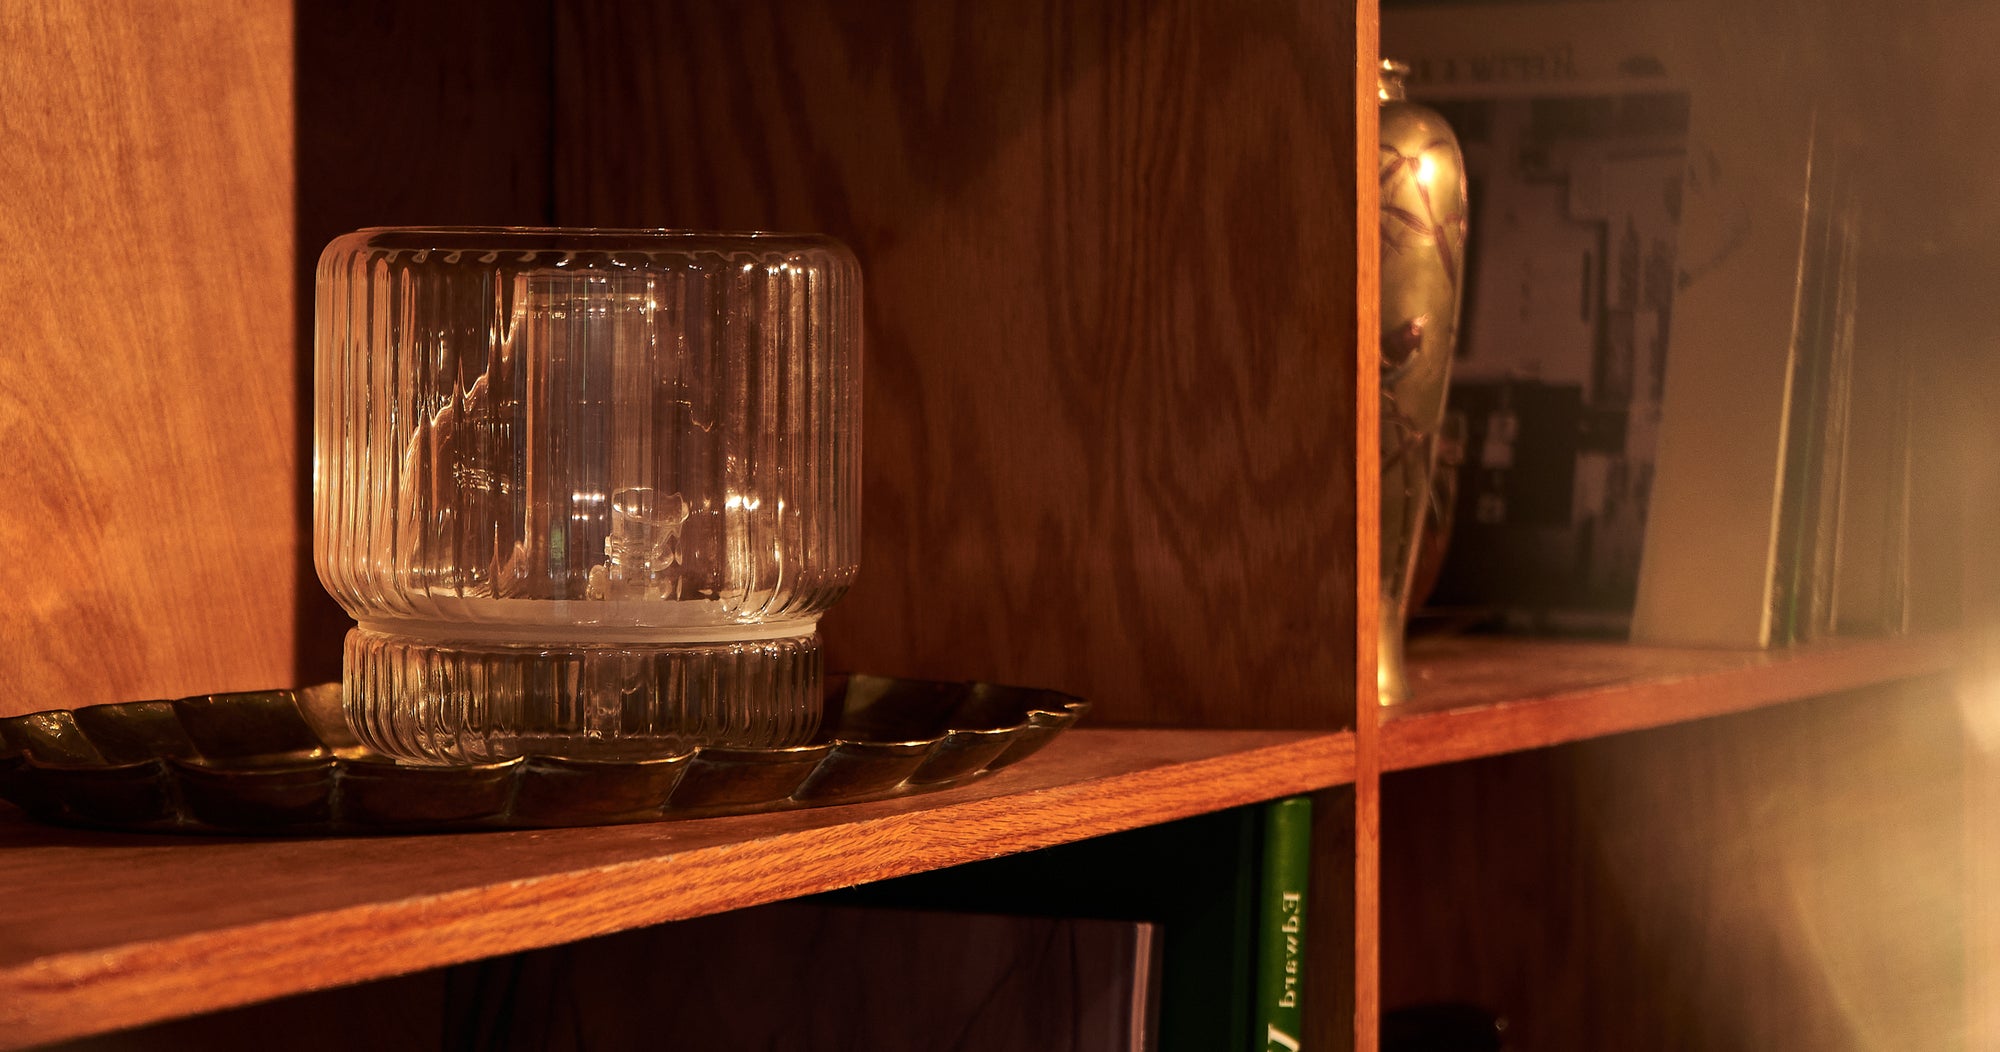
285	762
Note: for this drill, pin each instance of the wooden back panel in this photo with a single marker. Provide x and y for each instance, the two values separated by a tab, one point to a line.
1110	405
424	114
1110	257
146	395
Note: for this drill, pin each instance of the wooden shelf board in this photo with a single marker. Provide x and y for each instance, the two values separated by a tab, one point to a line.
105	931
1475	697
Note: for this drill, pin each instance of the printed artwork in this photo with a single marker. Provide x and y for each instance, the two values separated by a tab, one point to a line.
1557	384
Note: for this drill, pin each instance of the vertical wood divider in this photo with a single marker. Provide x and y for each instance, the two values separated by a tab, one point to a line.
1367	532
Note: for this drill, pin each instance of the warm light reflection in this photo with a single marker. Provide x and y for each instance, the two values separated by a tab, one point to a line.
1979	689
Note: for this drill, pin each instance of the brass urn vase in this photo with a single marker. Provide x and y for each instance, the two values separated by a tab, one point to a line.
1423	259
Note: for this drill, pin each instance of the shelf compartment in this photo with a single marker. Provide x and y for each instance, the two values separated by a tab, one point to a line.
1474	697
104	931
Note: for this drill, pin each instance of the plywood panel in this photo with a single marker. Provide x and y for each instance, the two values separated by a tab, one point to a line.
1110	259
146	391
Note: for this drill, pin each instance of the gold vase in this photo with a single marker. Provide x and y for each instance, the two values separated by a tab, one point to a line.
1423	260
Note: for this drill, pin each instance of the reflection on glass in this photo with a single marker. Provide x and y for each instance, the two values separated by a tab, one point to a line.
585	492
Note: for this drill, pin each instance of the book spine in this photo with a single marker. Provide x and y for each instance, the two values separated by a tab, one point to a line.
1806	404
1280	983
1843	246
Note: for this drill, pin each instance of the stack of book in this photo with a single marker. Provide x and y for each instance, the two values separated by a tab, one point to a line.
1841	563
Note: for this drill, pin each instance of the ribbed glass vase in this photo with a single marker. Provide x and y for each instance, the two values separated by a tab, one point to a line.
587	492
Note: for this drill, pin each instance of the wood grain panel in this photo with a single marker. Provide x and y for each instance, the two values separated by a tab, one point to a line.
146	394
1369	715
108	931
1789	878
1110	260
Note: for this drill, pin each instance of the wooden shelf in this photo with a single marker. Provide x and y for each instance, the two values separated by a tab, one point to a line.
105	931
1477	697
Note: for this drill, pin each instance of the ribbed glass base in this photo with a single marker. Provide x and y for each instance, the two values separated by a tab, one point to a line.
431	702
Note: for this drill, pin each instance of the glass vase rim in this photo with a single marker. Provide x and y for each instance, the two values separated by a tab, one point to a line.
452	237
1392	81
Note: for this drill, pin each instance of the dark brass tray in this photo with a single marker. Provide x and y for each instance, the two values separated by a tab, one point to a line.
285	762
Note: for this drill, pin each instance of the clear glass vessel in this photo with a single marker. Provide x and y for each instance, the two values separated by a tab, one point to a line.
586	492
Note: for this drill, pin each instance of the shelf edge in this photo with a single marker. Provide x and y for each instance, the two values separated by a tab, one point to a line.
1764	678
88	992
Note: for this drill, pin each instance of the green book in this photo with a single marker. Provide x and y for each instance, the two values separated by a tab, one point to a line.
1204	880
1279	1020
